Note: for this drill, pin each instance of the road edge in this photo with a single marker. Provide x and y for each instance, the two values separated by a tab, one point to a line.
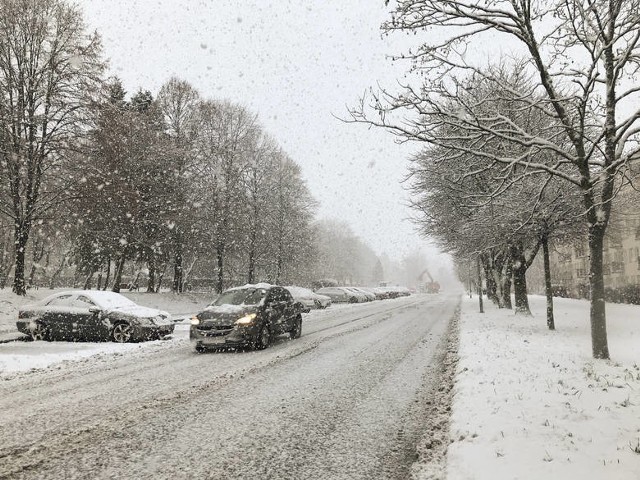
431	451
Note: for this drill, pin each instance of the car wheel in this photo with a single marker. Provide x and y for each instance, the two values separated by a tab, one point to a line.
296	331
264	338
353	300
122	333
39	332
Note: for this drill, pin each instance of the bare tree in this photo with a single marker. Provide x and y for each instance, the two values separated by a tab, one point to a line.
583	55
178	101
291	210
48	68
259	171
224	134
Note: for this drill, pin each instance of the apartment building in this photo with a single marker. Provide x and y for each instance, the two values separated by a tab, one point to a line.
570	260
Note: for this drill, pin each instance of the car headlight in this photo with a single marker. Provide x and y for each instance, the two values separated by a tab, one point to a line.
195	321
247	319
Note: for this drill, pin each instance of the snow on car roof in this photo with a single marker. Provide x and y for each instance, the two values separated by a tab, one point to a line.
252	285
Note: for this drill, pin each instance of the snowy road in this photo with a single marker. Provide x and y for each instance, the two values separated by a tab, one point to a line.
346	401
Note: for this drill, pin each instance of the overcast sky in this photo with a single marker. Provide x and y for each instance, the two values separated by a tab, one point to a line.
296	63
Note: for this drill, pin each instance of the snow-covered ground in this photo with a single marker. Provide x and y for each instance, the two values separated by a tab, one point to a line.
530	403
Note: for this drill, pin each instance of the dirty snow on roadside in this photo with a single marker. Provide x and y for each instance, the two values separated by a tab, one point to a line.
530	403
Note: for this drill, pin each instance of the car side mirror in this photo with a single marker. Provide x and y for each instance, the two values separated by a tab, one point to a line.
95	309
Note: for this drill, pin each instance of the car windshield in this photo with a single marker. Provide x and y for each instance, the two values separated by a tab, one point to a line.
241	296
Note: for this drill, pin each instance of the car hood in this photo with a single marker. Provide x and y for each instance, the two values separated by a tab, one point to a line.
225	314
159	317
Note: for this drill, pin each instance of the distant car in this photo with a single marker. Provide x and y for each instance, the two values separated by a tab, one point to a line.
338	294
380	293
370	295
247	316
94	316
308	298
360	296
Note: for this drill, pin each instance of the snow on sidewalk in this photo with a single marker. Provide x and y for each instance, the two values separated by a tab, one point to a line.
530	403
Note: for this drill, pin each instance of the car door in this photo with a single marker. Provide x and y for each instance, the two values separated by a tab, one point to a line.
88	320
290	312
56	319
276	306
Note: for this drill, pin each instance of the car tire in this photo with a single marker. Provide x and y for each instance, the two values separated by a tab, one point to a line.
296	331
353	300
122	333
40	332
264	338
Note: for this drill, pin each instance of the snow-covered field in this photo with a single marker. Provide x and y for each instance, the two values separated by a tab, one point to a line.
532	404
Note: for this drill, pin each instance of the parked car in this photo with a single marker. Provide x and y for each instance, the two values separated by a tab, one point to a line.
308	298
92	315
370	295
338	294
379	292
247	316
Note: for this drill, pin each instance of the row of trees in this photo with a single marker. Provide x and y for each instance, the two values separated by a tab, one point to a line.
102	189
525	147
179	178
93	179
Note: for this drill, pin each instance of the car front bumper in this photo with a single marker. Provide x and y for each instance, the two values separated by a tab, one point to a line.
147	332
233	337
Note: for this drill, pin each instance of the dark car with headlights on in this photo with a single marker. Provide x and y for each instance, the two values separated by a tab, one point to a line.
248	316
92	315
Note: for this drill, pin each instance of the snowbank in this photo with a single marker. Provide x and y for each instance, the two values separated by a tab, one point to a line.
530	403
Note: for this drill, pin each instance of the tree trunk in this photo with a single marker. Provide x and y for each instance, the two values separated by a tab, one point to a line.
151	281
5	276
520	289
134	285
220	268
58	271
99	280
479	272
599	342
492	293
507	277
117	275
161	276
107	278
547	283
36	257
252	256
178	270
21	238
32	274
87	281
